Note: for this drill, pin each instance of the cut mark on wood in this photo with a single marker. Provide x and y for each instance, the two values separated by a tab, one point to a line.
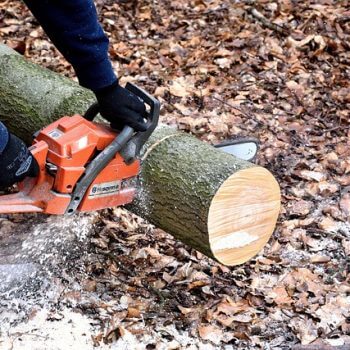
233	240
150	149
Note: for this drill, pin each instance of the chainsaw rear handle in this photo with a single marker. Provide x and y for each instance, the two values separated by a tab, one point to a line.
133	147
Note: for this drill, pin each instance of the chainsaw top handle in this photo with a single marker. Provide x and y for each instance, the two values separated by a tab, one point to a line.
133	147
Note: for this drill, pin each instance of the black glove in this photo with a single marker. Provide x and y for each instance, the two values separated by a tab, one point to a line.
16	163
121	107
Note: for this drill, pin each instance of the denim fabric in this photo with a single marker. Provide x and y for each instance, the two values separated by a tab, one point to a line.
4	137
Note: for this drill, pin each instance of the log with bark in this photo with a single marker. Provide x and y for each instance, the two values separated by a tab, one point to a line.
222	206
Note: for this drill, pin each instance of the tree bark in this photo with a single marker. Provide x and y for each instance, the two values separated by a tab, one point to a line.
32	97
222	206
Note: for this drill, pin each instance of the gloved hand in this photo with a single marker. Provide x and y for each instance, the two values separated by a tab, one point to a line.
121	107
16	162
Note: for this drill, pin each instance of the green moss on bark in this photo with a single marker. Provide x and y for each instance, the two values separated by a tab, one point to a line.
31	96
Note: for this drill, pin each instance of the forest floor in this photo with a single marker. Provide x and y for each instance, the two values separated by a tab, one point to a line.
278	71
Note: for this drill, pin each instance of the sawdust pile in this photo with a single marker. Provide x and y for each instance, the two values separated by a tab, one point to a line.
275	70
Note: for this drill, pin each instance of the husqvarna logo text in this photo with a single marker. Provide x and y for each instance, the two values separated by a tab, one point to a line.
104	189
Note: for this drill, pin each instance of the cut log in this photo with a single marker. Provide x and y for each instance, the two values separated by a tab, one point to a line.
222	206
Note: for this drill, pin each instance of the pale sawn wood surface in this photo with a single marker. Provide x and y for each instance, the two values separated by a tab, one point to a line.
243	214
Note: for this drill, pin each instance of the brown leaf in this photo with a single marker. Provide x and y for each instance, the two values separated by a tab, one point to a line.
224	319
197	284
243	318
333	313
326	188
89	285
345	204
10	29
315	259
296	88
280	296
195	125
343	180
299	43
303	279
346	246
133	312
328	224
18	45
185	310
320	41
306	330
299	207
230	307
312	175
180	87
212	333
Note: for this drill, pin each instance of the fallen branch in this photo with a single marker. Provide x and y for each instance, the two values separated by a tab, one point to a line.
264	21
231	106
321	347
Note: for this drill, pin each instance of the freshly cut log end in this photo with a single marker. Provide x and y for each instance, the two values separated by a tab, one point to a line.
242	215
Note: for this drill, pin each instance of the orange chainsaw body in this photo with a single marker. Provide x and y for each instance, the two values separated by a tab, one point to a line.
63	150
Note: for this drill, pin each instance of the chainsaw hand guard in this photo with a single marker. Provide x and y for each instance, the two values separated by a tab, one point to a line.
134	145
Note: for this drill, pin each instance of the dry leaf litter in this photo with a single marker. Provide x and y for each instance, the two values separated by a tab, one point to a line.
278	71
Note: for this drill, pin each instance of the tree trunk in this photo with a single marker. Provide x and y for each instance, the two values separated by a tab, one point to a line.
222	206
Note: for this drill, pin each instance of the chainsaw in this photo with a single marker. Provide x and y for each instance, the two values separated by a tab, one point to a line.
84	165
87	166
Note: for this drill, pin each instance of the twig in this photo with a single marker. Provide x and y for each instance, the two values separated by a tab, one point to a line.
229	105
20	334
157	292
273	26
336	128
321	347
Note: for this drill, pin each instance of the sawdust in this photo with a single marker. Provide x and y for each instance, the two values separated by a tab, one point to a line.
46	247
42	244
42	299
70	331
241	239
